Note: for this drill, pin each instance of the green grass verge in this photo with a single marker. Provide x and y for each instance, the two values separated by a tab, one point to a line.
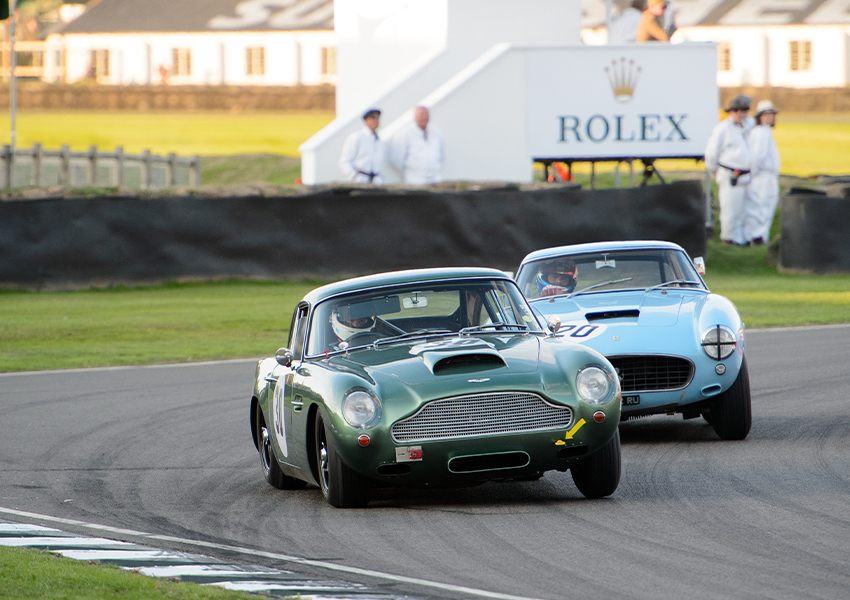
30	573
182	322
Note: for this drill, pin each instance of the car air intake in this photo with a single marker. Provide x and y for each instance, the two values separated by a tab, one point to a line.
467	363
477	415
612	314
489	462
652	373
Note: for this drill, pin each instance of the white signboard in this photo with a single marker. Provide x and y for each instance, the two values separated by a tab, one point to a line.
647	100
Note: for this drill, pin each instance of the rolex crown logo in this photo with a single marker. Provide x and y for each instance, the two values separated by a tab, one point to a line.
623	78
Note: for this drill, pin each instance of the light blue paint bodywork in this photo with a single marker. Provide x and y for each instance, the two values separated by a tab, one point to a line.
667	321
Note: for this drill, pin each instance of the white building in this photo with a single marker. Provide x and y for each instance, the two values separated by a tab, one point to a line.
776	43
196	42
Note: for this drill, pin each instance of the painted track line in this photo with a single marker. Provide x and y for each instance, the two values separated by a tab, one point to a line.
434	585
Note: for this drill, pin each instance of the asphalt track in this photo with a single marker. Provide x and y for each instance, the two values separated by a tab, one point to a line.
166	450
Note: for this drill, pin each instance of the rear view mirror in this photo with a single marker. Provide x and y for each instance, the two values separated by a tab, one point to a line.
414	301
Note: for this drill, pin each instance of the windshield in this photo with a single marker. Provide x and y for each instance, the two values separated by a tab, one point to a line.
418	310
608	271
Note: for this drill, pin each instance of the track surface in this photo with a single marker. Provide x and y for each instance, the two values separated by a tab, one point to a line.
167	450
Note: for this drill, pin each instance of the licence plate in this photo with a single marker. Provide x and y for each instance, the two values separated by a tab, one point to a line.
631	400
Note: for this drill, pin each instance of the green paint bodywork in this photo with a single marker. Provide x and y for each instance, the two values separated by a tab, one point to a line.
401	376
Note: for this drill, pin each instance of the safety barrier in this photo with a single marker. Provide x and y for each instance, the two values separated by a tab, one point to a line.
39	167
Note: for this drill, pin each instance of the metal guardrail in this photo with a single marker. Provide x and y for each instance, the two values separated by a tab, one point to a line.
39	167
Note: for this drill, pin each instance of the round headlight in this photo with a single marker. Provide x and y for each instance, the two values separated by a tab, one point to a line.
594	385
361	409
719	342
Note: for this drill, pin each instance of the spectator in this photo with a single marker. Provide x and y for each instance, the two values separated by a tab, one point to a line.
625	26
728	156
362	153
418	150
649	28
763	190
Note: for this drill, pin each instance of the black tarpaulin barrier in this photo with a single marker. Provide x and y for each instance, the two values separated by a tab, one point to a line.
328	234
814	232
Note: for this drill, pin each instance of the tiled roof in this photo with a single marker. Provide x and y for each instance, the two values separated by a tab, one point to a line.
692	13
122	16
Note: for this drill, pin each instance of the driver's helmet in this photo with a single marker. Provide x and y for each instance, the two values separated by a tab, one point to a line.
344	329
556	277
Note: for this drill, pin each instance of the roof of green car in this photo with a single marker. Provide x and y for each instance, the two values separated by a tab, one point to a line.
400	278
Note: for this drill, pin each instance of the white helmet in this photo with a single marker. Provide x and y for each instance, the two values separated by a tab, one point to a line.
345	329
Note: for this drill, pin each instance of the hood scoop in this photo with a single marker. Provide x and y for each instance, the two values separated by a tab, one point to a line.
465	363
612	314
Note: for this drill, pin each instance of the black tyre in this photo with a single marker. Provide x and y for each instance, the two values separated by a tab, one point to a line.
731	412
271	468
341	486
598	475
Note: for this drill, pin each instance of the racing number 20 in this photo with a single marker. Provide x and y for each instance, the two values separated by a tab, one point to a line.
576	331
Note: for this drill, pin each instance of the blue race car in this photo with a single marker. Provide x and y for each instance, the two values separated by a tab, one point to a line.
677	347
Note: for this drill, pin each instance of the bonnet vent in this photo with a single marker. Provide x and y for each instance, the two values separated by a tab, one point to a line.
467	363
613	314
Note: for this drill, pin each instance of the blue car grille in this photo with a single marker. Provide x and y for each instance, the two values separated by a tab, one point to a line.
652	373
481	414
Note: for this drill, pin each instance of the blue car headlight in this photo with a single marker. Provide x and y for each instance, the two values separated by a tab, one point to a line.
719	342
595	385
361	409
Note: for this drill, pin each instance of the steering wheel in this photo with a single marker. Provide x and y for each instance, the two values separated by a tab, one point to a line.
363	338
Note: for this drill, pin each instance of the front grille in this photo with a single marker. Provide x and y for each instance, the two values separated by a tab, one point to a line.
481	414
652	373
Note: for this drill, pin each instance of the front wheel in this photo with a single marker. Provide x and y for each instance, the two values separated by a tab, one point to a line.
731	412
341	486
271	469
598	475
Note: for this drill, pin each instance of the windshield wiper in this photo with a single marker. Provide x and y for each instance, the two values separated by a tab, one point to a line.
497	326
599	285
419	333
674	282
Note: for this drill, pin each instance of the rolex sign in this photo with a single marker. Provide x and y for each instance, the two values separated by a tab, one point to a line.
650	100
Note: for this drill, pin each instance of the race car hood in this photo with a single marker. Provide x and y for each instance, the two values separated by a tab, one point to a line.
654	309
448	358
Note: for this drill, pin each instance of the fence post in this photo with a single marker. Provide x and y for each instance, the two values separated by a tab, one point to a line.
119	166
35	172
7	166
92	170
196	170
172	169
147	167
64	165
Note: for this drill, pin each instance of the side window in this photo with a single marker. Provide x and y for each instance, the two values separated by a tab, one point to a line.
298	332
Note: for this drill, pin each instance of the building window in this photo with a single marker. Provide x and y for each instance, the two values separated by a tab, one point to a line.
801	56
181	61
99	64
328	60
256	61
724	56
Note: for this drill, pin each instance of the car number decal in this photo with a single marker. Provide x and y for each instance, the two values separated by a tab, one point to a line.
579	333
279	418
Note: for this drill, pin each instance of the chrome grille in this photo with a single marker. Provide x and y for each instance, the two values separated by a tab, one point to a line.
652	373
481	414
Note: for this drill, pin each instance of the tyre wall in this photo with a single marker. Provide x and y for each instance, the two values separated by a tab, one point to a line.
330	233
811	241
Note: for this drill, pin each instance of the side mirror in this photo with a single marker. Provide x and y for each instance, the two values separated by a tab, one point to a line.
284	357
554	324
699	263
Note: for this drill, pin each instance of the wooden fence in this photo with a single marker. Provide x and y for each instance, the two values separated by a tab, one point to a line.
39	167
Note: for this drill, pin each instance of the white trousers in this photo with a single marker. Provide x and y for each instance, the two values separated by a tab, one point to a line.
760	205
731	201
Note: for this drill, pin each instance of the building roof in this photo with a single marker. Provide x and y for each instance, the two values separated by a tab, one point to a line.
124	16
702	13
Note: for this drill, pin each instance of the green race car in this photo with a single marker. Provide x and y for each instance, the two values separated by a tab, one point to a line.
433	377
